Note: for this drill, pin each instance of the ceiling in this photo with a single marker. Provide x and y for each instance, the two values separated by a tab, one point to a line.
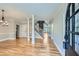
20	11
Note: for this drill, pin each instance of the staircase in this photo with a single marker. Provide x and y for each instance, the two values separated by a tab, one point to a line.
41	33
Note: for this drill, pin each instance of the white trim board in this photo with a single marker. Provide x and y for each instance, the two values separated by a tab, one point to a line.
58	47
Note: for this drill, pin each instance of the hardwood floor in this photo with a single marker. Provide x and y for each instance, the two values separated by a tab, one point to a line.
23	47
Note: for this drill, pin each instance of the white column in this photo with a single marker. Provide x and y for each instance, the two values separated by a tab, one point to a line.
33	34
46	38
28	30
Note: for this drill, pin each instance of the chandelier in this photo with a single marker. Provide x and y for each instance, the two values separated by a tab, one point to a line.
3	21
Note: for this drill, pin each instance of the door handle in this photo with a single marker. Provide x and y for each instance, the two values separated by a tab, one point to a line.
65	44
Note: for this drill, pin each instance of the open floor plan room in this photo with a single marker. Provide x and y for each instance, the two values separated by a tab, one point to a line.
39	29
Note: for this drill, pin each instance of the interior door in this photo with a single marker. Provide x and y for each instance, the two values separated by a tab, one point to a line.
71	30
17	31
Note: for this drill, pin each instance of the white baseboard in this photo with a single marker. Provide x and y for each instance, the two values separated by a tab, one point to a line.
7	39
58	47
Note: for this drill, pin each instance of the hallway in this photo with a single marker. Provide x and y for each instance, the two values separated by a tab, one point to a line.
23	47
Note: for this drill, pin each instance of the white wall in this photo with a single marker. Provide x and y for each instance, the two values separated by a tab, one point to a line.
58	29
23	31
8	32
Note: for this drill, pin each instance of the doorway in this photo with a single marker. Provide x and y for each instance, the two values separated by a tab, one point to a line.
71	30
17	31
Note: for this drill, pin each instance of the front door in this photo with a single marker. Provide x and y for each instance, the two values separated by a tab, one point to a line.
72	30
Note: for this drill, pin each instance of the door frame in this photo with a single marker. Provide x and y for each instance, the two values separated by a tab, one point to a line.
67	29
17	31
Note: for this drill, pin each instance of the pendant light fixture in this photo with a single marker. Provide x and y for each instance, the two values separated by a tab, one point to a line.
3	21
